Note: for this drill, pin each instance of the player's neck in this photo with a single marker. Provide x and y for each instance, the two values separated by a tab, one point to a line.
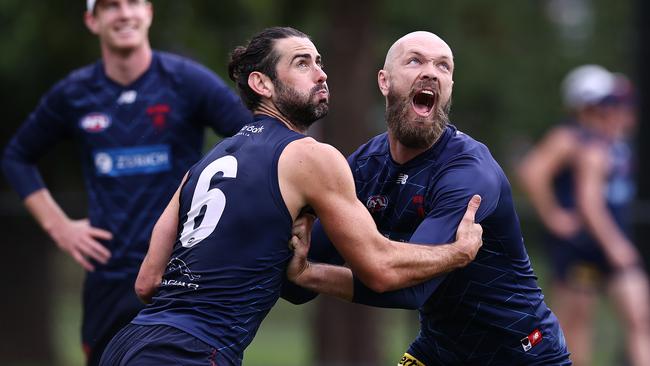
266	107
400	153
126	67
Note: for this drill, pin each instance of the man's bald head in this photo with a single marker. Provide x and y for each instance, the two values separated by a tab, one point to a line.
418	38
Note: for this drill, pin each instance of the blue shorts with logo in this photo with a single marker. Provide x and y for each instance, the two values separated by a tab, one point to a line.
143	345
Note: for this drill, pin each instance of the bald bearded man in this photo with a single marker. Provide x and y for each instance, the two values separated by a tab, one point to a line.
415	181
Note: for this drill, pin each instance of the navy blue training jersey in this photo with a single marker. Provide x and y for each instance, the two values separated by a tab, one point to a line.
135	143
489	313
231	253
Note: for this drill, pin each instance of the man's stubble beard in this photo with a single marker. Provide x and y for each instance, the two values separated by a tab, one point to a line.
412	133
297	108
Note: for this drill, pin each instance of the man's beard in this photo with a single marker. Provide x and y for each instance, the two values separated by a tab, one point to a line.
299	109
418	133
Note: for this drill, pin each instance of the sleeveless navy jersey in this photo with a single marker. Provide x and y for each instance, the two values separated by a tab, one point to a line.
230	256
135	143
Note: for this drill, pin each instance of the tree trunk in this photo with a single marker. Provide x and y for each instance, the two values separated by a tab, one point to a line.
348	334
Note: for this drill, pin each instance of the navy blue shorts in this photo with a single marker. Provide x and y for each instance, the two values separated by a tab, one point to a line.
579	261
142	345
109	304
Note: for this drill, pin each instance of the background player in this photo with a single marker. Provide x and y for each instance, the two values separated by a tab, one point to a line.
235	212
414	180
579	179
138	117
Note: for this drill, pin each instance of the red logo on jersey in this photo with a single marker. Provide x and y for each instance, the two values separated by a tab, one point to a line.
531	340
158	114
376	203
418	201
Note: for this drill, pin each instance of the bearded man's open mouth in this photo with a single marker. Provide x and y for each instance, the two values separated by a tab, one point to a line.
423	102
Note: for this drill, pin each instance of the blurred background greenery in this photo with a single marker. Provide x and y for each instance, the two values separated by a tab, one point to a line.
510	56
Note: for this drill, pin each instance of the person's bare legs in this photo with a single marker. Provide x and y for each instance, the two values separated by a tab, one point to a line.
629	291
575	308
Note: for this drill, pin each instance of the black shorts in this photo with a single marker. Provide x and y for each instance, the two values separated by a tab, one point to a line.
143	345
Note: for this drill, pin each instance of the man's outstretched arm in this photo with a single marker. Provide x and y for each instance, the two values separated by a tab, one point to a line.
320	175
339	281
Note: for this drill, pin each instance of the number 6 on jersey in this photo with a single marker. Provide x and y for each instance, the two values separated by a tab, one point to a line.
207	204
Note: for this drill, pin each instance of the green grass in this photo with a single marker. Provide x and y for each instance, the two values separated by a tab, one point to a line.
283	338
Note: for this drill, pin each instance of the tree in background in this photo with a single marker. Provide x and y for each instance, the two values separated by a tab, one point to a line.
512	54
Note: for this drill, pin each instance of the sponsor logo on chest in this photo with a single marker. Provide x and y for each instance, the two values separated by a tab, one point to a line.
132	160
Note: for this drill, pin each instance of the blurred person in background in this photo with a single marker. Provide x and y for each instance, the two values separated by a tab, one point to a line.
579	180
138	117
415	180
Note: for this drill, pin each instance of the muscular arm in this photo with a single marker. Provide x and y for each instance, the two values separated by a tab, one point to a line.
320	250
317	175
536	173
160	249
453	190
591	174
340	282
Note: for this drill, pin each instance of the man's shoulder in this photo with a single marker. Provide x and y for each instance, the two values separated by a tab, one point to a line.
471	160
77	83
83	75
462	143
174	64
376	146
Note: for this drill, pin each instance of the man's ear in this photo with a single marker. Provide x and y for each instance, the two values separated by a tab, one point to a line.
261	84
384	83
91	22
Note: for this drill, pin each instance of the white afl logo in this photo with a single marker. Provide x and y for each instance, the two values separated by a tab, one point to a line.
95	122
103	163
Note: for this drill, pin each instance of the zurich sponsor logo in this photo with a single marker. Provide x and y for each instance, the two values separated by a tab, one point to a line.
103	162
95	122
376	203
132	160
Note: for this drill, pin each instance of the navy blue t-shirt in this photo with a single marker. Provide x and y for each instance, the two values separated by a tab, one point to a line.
477	315
230	257
135	142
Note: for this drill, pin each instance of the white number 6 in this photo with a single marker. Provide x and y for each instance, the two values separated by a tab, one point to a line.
208	202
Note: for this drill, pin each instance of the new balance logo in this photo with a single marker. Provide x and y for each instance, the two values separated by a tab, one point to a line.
127	97
401	179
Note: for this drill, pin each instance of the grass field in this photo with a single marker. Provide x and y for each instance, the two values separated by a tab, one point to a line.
283	339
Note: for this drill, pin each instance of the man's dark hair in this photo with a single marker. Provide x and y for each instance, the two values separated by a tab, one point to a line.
258	55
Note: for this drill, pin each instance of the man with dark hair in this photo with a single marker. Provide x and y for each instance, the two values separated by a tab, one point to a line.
139	118
235	210
414	180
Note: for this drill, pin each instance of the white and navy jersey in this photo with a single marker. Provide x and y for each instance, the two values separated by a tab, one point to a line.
135	142
230	257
